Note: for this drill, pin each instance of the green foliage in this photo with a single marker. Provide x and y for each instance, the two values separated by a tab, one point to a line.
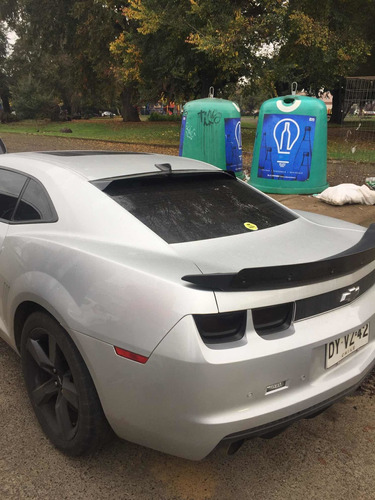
251	95
41	70
3	44
30	100
90	53
325	41
4	78
187	46
157	117
97	26
66	50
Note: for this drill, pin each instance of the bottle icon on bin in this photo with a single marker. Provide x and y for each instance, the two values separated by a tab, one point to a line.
286	134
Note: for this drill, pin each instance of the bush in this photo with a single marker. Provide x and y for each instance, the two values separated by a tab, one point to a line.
30	101
157	117
8	117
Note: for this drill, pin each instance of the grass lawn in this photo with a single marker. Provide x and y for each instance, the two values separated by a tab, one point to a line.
166	133
344	143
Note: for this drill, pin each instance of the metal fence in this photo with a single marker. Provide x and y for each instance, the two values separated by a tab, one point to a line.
359	123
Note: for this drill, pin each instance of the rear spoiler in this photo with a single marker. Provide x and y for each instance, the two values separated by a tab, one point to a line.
277	277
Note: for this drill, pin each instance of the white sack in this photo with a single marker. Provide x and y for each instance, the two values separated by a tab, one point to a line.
348	193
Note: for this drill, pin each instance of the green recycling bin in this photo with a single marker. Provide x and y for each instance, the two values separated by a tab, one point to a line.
211	132
290	151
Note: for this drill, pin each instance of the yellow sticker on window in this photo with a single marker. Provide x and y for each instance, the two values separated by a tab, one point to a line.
250	226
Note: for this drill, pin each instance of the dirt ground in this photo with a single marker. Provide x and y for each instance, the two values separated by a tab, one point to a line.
330	457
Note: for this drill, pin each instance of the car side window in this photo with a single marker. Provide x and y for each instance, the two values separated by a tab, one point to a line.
11	184
34	204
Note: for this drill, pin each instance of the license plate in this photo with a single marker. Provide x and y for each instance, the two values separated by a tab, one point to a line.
340	348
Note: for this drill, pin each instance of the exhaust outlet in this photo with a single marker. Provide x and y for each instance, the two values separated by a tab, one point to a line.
234	447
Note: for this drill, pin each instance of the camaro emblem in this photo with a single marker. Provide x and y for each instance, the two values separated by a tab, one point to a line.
350	295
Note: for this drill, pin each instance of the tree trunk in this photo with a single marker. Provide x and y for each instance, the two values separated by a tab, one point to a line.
67	106
5	100
129	112
55	113
4	96
337	115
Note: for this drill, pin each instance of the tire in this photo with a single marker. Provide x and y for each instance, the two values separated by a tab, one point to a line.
60	388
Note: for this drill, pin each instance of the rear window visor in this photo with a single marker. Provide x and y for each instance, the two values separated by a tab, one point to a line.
183	207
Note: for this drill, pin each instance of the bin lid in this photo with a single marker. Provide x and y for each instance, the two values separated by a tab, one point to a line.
213	103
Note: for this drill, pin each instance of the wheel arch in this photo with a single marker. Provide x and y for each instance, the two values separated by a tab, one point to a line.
33	291
24	310
29	305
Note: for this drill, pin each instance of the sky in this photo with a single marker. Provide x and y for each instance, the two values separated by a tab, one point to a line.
12	37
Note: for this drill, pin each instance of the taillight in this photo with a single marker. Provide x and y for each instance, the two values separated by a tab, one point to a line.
222	327
273	319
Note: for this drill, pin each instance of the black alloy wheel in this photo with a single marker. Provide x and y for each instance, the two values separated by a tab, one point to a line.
60	387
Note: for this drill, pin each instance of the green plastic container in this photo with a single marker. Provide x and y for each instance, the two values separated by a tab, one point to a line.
211	132
290	151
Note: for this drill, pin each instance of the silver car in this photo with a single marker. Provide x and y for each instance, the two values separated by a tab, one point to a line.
167	300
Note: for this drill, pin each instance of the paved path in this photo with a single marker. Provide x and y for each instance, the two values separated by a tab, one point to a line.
330	457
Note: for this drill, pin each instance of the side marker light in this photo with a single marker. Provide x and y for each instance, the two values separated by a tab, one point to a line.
131	355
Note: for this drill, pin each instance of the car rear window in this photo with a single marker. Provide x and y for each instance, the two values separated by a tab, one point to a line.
190	207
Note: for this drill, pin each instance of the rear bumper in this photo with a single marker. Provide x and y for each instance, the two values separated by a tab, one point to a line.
267	430
188	397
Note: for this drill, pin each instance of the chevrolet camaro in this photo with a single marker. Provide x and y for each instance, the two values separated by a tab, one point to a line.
165	300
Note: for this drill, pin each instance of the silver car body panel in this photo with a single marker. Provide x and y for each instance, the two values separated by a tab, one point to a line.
111	281
188	397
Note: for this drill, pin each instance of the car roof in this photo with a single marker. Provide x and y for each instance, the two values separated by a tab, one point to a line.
95	165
